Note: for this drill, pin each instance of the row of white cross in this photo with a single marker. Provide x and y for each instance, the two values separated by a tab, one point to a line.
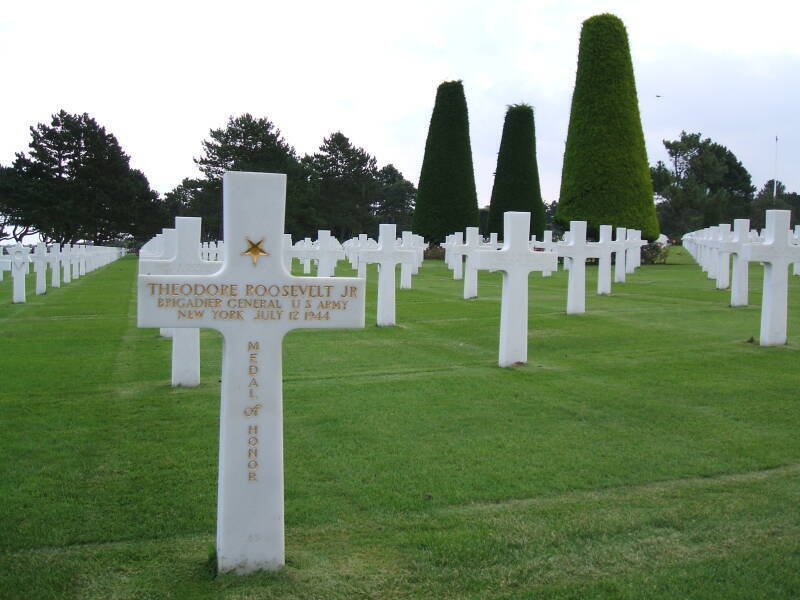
520	255
253	300
65	262
724	253
178	251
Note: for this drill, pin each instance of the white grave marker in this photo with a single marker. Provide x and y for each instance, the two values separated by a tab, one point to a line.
253	302
470	247
620	244
20	267
516	260
54	260
329	252
387	255
577	250
456	256
185	261
5	262
605	247
406	268
740	272
39	260
723	256
66	262
548	245
777	252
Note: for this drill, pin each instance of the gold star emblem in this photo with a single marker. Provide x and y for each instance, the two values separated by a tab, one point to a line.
255	250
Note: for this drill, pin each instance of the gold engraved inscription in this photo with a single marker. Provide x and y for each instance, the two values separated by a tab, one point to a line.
253	302
253	350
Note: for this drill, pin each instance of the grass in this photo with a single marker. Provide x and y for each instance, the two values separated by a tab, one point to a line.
647	450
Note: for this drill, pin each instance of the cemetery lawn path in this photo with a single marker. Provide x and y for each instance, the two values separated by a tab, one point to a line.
648	449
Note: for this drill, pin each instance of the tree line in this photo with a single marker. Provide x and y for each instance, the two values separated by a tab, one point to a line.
75	184
340	187
704	184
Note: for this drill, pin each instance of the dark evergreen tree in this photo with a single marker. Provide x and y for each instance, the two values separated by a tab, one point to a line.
344	182
13	223
516	179
254	144
395	199
483	221
606	177
75	184
705	184
446	197
198	198
770	197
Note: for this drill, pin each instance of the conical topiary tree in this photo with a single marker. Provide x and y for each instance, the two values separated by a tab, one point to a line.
516	179
606	177
446	197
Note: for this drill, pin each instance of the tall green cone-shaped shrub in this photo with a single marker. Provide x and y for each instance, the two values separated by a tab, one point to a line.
606	178
516	179
446	197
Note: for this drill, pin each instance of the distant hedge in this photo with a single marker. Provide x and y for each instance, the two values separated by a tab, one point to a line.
516	179
606	176
446	197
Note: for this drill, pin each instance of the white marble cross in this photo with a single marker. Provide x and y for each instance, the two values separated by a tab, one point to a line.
470	247
493	243
82	260
620	244
740	272
516	260
577	249
710	247
407	268
5	262
75	261
167	248
66	262
456	256
387	256
605	246
447	245
185	261
253	302
329	252
777	252
548	245
419	246
364	242
723	256
306	247
20	267
39	260
633	253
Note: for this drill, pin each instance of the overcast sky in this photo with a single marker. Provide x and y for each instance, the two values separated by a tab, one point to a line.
160	75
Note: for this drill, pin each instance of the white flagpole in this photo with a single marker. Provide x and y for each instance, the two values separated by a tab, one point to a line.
775	179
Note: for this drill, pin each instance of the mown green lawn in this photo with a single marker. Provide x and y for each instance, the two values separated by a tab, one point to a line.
649	449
